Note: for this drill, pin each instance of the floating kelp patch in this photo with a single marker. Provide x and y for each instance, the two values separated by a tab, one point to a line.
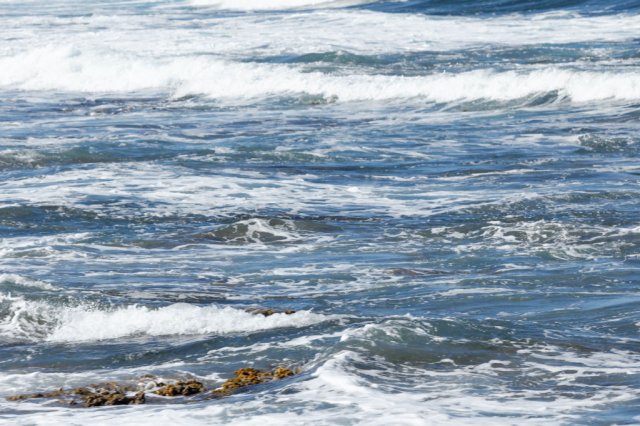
251	376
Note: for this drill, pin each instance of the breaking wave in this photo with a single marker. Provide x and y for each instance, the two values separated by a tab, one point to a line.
22	319
93	72
246	5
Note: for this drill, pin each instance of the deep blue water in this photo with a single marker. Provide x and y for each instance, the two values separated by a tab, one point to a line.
447	193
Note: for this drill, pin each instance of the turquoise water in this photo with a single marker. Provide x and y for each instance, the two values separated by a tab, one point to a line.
447	193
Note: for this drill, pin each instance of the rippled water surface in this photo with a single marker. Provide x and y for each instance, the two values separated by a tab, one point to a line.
446	191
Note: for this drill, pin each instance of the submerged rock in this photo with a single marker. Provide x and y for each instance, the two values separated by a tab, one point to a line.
94	396
600	144
115	398
107	394
190	387
51	394
269	312
414	272
251	376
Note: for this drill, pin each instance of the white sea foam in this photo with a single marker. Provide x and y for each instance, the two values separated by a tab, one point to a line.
360	31
560	240
182	192
72	70
44	246
354	31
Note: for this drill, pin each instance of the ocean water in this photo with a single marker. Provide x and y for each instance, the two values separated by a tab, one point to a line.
446	191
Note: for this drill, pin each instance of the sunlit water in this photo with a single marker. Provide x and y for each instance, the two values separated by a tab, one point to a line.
447	192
